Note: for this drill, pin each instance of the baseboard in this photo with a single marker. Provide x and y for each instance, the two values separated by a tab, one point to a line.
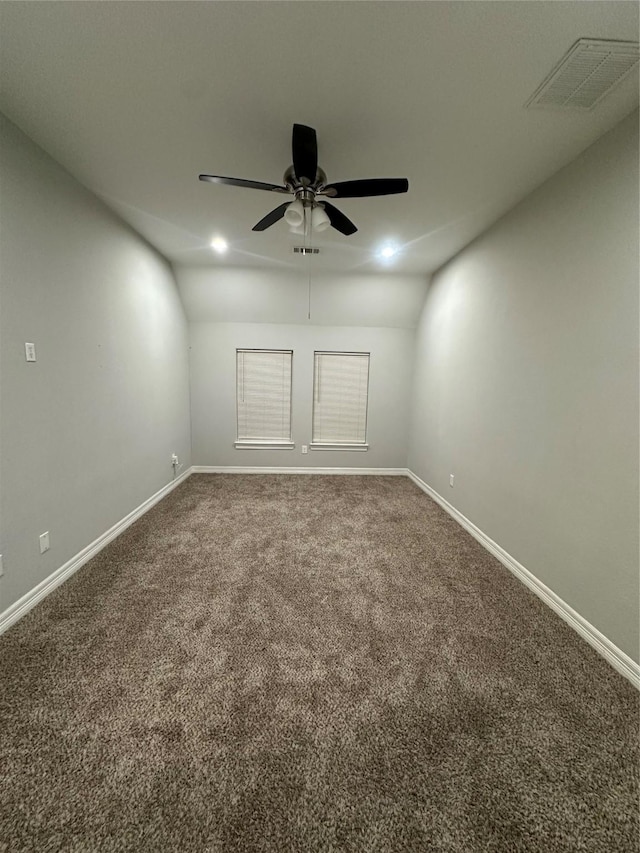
17	610
238	469
618	659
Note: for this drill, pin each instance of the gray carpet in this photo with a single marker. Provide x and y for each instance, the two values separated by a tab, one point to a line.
272	663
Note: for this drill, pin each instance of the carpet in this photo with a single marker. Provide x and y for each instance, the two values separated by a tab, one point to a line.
300	663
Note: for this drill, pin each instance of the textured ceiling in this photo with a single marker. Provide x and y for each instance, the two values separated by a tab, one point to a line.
136	99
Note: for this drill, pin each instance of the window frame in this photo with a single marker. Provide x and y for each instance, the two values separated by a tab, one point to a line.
342	445
258	443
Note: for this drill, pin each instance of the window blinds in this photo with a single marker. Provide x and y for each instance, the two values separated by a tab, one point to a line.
264	395
340	389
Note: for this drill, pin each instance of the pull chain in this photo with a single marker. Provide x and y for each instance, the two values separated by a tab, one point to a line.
307	240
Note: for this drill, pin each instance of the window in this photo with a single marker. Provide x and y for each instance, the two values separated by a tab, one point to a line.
263	394
340	391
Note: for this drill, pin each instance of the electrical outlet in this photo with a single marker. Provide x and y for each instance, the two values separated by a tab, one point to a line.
174	459
30	352
305	449
1	566
44	542
451	480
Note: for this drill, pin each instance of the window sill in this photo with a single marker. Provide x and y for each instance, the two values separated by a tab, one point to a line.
359	447
263	445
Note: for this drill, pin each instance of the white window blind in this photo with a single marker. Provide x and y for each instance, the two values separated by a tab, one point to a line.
340	391
264	396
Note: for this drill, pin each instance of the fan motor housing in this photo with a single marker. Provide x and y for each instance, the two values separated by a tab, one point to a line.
305	192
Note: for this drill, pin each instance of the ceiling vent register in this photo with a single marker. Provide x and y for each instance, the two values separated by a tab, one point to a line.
305	250
588	72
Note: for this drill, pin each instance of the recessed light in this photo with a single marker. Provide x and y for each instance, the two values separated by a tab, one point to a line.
388	251
219	245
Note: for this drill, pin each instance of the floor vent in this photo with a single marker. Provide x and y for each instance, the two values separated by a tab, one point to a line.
587	73
305	250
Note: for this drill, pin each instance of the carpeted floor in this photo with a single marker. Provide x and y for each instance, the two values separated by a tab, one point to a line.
273	663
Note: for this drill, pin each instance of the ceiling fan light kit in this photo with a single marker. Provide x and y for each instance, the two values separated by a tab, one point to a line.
307	182
294	214
319	219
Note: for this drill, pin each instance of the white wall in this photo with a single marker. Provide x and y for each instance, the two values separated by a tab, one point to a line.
233	308
86	432
213	392
526	384
232	295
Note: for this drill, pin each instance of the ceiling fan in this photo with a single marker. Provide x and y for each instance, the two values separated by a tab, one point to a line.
306	181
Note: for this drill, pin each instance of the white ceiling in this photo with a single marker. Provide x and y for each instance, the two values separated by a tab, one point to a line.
136	99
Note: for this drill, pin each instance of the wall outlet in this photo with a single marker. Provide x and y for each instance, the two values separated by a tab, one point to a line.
174	460
305	449
1	566
451	480
44	542
30	352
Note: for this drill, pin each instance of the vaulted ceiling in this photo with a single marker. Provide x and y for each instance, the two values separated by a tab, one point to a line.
137	99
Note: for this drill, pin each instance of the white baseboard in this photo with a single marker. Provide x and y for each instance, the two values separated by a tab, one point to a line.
27	602
239	469
618	659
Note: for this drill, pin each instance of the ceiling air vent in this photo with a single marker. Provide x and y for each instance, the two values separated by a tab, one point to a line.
586	74
305	250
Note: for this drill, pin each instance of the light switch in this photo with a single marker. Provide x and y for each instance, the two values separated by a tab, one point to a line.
30	352
44	542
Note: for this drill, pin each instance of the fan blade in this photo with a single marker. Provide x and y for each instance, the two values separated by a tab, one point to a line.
240	182
305	152
366	188
338	220
272	217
